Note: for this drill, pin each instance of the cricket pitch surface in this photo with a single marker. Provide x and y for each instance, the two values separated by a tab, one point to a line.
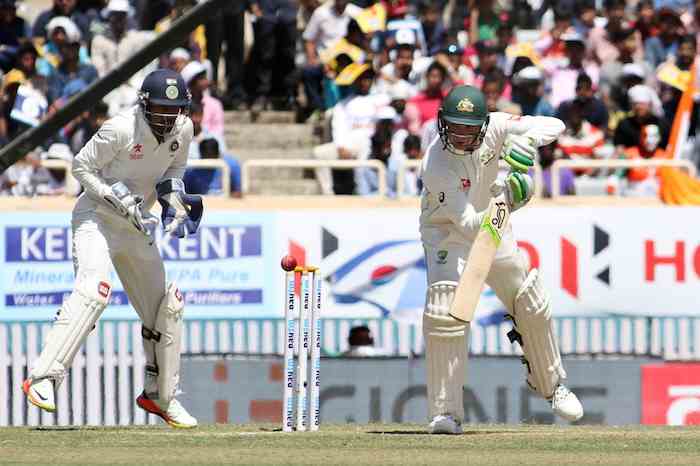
350	444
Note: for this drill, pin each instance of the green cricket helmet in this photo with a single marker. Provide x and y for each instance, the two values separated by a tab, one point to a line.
463	108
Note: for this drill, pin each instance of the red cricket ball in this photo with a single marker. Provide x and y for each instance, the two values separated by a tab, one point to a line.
289	263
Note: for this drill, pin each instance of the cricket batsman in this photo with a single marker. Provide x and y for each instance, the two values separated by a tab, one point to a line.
459	174
137	157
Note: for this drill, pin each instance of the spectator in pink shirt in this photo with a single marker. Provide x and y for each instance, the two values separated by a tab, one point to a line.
195	75
425	105
600	45
563	78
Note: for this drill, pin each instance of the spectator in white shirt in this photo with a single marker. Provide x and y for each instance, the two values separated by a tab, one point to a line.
328	24
179	58
27	178
404	66
113	47
410	150
353	122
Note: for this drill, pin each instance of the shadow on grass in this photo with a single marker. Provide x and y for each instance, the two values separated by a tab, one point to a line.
61	428
423	432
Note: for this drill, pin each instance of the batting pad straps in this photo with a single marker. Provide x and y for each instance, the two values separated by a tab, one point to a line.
533	322
149	334
445	352
170	185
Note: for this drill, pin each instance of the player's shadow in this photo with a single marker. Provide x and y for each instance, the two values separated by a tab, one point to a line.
423	432
60	428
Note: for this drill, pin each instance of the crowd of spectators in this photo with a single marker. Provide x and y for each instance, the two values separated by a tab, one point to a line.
71	45
612	70
374	70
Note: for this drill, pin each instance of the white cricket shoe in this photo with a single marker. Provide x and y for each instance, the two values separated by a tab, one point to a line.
176	415
40	394
445	425
565	404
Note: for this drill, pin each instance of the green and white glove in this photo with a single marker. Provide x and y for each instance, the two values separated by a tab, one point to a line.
517	188
520	152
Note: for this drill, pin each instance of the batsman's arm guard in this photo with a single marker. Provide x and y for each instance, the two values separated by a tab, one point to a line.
74	321
164	342
534	330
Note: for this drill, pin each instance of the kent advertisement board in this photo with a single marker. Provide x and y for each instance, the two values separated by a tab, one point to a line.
222	271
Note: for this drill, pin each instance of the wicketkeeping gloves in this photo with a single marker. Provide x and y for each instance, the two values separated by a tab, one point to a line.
129	206
519	152
517	187
181	211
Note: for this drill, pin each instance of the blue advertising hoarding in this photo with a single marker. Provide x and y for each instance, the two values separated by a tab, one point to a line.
222	271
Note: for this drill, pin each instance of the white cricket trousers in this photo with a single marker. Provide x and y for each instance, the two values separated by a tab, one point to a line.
100	240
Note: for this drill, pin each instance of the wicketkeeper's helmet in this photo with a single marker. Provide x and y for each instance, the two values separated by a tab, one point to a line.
167	88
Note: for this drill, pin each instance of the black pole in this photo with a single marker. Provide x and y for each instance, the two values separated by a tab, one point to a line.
28	140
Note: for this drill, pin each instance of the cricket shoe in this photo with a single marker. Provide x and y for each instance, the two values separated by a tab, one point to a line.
565	404
445	425
40	394
176	416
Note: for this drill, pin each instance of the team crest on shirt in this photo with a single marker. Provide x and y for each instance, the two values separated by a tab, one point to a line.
466	184
174	146
136	152
486	156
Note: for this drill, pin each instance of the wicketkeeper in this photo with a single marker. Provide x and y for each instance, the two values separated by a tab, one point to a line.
459	174
135	158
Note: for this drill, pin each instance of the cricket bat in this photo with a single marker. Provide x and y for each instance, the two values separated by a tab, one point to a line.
480	258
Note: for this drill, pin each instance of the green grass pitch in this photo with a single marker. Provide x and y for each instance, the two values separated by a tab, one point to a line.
374	444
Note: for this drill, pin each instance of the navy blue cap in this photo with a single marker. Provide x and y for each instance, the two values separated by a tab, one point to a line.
165	87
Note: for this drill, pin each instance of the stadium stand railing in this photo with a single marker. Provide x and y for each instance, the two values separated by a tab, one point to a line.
415	165
215	164
615	163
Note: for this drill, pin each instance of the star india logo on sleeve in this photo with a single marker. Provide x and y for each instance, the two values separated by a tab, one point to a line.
465	105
